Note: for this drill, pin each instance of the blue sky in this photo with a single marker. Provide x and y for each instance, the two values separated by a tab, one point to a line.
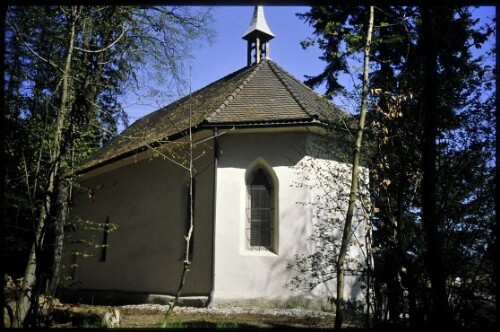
228	51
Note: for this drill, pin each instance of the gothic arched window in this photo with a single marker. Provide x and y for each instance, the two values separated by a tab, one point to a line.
260	211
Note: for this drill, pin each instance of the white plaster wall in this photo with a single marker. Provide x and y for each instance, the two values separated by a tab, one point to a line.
148	202
242	274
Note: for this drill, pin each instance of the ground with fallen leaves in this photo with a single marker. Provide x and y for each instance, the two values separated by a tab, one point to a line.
91	316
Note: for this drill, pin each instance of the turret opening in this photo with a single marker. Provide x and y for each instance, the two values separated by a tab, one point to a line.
258	36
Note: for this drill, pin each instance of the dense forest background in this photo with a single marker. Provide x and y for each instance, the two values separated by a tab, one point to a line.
62	89
431	150
429	138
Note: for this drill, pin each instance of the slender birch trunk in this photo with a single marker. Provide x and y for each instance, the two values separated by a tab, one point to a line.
346	236
64	191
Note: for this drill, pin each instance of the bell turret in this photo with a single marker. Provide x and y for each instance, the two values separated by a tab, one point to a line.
258	36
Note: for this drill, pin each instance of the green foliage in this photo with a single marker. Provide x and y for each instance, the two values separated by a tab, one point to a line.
465	81
83	238
327	174
63	101
227	325
90	323
173	323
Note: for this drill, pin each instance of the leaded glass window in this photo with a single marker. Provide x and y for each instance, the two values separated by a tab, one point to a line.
260	211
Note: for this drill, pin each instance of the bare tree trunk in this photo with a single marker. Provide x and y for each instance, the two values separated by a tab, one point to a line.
187	260
27	297
400	254
346	236
23	303
440	315
63	209
189	234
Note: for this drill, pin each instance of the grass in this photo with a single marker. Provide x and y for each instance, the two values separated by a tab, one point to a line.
172	323
177	323
85	316
225	325
91	323
290	303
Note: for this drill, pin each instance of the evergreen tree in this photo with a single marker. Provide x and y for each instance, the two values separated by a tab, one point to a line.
398	84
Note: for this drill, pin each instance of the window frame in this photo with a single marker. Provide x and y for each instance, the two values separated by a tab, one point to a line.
272	246
104	243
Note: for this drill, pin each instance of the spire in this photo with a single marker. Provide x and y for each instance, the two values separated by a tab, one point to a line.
258	36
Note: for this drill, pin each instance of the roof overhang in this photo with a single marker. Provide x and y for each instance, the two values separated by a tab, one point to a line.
202	131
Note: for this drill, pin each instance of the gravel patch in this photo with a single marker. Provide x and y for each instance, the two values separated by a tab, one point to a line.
297	313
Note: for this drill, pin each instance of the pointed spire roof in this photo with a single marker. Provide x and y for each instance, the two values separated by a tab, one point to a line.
258	26
255	96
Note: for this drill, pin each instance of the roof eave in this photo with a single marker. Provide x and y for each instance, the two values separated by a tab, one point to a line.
269	123
208	125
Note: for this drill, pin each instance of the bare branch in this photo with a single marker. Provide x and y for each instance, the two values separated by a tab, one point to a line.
104	48
32	51
212	137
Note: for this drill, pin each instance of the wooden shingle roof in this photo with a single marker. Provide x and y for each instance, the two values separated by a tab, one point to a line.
262	94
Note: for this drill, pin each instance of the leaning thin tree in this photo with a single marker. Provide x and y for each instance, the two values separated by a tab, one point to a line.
187	238
347	232
190	230
75	75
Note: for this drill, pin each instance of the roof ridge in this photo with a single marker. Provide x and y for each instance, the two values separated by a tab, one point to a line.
316	94
274	67
234	94
184	98
295	79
